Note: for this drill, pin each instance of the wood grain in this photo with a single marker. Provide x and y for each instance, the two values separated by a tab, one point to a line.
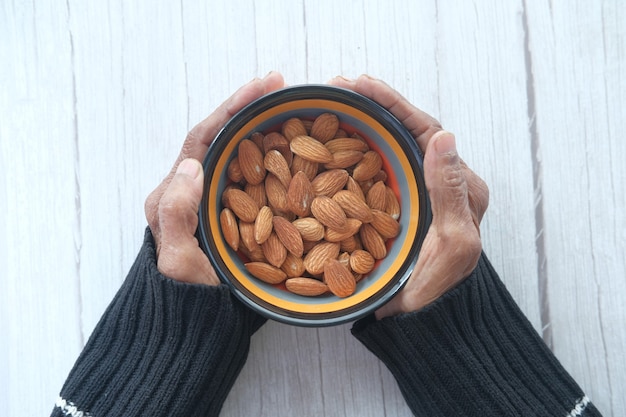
579	94
97	97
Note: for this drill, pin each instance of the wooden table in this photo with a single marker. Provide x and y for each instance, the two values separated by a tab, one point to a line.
96	98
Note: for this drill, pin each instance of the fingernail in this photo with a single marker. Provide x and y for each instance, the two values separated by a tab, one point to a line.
445	143
268	75
341	77
189	167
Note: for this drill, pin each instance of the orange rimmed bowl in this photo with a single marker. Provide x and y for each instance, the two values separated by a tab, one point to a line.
402	160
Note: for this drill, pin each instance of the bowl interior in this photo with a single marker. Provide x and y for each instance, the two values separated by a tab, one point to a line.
402	162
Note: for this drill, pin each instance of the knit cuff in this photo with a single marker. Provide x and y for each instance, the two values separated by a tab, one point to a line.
474	353
162	348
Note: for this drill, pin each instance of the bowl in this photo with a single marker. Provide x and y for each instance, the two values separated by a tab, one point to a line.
402	161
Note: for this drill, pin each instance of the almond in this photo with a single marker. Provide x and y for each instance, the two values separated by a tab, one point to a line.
257	192
251	161
230	230
226	190
339	279
368	167
308	167
366	185
355	187
300	195
308	245
318	255
386	226
293	266
344	159
248	244
310	149
372	241
340	133
310	228
276	141
361	261
324	127
393	205
350	244
351	228
346	144
263	225
377	196
257	138
307	125
329	182
265	272
344	259
255	255
234	170
275	163
276	193
353	206
293	127
274	250
381	176
309	287
241	204
328	212
288	235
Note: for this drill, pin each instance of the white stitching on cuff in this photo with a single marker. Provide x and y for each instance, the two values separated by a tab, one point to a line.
69	409
579	407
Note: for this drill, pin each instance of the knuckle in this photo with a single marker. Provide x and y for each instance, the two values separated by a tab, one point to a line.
151	208
452	173
462	238
478	195
169	206
427	132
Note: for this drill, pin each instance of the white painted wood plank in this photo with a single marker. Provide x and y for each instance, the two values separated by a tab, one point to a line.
579	70
39	269
131	121
482	99
145	73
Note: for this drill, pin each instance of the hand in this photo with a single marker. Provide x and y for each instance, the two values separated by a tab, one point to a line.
172	208
458	199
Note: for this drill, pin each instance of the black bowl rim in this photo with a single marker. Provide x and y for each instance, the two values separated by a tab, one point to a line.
396	129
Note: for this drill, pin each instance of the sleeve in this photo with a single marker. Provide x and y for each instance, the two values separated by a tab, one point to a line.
162	348
473	353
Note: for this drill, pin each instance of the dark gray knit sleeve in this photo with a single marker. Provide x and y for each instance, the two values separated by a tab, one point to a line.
162	348
473	353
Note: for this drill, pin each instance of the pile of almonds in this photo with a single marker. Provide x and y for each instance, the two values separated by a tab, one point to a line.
309	207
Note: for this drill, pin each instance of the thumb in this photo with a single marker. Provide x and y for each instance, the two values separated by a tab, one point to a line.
446	181
179	256
179	204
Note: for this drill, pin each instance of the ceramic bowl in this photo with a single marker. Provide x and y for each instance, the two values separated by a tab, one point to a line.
402	160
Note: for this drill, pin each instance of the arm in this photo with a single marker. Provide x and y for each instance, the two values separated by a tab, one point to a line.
173	340
162	348
473	352
453	337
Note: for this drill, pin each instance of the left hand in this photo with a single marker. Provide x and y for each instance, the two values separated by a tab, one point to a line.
172	208
459	198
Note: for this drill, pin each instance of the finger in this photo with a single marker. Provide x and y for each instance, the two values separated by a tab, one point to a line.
445	180
200	137
178	254
477	193
421	125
